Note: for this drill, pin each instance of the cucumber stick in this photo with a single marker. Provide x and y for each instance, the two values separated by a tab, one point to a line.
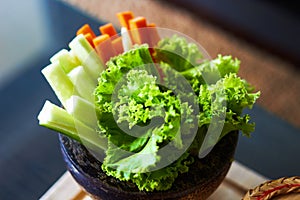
87	56
59	81
82	110
58	119
83	83
66	60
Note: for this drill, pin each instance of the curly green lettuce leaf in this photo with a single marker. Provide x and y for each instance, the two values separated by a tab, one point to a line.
226	65
237	98
209	72
138	102
178	53
124	164
139	116
164	178
116	68
222	97
159	180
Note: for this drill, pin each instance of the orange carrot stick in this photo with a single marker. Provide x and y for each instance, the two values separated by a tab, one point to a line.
138	34
100	39
108	29
117	45
154	36
138	22
85	29
124	18
104	47
89	38
151	25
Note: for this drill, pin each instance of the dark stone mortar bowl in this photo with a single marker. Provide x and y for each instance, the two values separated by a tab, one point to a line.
203	178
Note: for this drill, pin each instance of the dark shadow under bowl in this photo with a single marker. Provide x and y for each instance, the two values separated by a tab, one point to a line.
203	178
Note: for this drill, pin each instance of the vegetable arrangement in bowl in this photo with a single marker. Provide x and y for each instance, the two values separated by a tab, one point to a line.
147	103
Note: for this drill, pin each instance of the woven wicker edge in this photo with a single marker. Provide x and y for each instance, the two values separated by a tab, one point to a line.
273	188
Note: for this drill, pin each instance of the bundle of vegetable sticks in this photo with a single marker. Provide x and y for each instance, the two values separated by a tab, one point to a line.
169	111
73	74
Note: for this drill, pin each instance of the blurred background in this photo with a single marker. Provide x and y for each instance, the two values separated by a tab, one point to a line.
263	34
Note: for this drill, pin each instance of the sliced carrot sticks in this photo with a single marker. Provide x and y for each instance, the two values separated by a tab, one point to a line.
151	25
85	29
104	47
153	34
108	29
116	41
99	39
138	22
118	45
138	34
124	18
109	43
89	38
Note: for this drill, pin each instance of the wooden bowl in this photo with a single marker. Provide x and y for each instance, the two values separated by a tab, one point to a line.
203	178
